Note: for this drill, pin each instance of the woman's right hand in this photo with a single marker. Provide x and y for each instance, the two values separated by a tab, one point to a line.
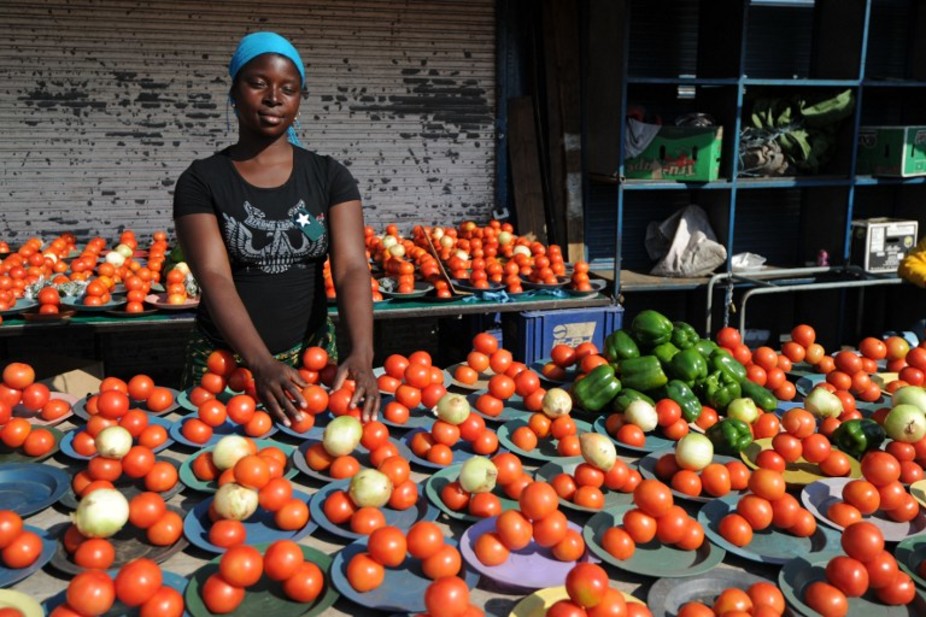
279	388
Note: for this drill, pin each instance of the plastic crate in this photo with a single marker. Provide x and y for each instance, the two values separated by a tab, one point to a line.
530	335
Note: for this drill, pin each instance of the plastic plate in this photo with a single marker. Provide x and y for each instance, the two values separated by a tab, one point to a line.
546	448
668	595
597	286
918	490
421	289
818	496
227	428
569	374
436	483
653	558
160	301
35	418
653	443
9	576
481	383
67	442
568	465
16	455
22	304
189	478
798	473
27	488
561	282
22	602
259	527
513	408
403	519
769	545
910	553
78	305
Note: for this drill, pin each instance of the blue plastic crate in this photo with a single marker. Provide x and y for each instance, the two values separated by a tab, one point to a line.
530	335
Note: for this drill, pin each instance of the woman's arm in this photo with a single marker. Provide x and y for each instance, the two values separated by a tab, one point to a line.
277	384
351	276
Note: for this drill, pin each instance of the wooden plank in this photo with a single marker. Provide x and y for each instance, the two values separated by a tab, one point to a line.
525	168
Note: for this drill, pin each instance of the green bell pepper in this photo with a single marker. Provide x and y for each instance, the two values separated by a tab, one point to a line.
679	392
596	390
627	396
689	366
665	352
729	436
706	347
684	336
644	373
620	346
856	437
651	328
721	360
760	395
718	389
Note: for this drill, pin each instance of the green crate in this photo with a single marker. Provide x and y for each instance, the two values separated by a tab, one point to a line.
896	151
684	153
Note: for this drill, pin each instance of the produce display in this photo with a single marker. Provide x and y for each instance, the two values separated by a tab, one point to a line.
661	454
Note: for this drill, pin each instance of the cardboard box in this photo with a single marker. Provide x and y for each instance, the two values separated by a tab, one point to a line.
684	153
879	244
896	151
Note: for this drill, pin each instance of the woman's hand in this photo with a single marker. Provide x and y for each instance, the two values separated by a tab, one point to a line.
279	388
366	389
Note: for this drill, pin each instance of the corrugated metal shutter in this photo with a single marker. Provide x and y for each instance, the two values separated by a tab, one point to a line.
104	102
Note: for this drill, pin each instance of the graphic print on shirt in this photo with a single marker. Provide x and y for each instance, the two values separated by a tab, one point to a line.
272	245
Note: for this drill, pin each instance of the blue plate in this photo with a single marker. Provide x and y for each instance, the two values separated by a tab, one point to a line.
260	527
80	407
361	454
653	443
171	579
189	478
67	442
461	450
8	576
418	418
513	408
27	488
546	448
403	587
227	428
403	519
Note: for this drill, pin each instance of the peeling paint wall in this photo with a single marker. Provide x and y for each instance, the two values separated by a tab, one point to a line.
103	103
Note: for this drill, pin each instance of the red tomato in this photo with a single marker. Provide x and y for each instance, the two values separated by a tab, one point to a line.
364	573
447	596
305	584
388	546
95	553
220	596
241	565
281	559
848	575
863	541
138	581
91	592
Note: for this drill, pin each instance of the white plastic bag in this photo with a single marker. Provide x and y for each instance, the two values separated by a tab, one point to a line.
684	244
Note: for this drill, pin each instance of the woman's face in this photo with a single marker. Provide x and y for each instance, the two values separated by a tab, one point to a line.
267	92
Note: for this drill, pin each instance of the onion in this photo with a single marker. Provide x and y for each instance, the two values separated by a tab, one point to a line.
555	403
598	451
182	266
504	237
453	408
389	241
229	450
114	258
694	451
102	513
370	487
113	442
525	250
125	250
905	423
235	502
642	414
743	409
910	395
478	475
823	404
342	435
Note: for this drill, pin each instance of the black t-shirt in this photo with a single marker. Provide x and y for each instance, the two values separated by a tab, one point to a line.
276	268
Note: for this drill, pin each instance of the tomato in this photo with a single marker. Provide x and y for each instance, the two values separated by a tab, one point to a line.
756	510
767	594
153	436
281	559
538	500
509	467
445	562
732	599
816	448
640	526
220	596
38	442
338	507
767	483
735	529
196	430
11	525
166	530
14	434
104	468
490	550
653	497
716	480
18	375
35	396
293	515
843	514
565	608
906	510
880	467
551	529
900	591
788	446
863	541
863	495
95	553
91	592
848	575
162	477
241	565
447	597
364	573
305	584
897	348
882	570
728	337
836	464
139	387
571	547
687	482
484	505
388	546
826	599
138	581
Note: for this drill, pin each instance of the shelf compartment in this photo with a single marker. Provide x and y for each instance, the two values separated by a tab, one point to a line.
893	107
787	182
892	36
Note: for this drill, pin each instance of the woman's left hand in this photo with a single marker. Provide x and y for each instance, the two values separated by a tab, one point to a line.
366	390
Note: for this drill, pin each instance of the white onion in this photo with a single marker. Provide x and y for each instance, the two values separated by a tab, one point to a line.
694	451
389	240
125	250
370	487
453	408
906	423
114	258
235	502
342	435
447	242
641	414
823	404
229	450
555	403
524	250
478	475
102	513
598	451
504	237
113	442
182	266
910	395
397	250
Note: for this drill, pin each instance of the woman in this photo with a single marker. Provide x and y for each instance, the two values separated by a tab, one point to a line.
256	222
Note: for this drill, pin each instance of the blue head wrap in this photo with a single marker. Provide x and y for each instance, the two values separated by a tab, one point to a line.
258	43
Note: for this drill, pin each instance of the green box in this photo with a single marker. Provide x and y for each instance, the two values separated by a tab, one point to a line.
896	151
679	153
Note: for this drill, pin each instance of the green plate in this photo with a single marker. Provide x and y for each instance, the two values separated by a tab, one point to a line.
769	545
910	553
647	466
513	408
798	473
650	559
668	595
799	572
16	455
189	478
266	597
653	443
546	448
568	465
439	479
